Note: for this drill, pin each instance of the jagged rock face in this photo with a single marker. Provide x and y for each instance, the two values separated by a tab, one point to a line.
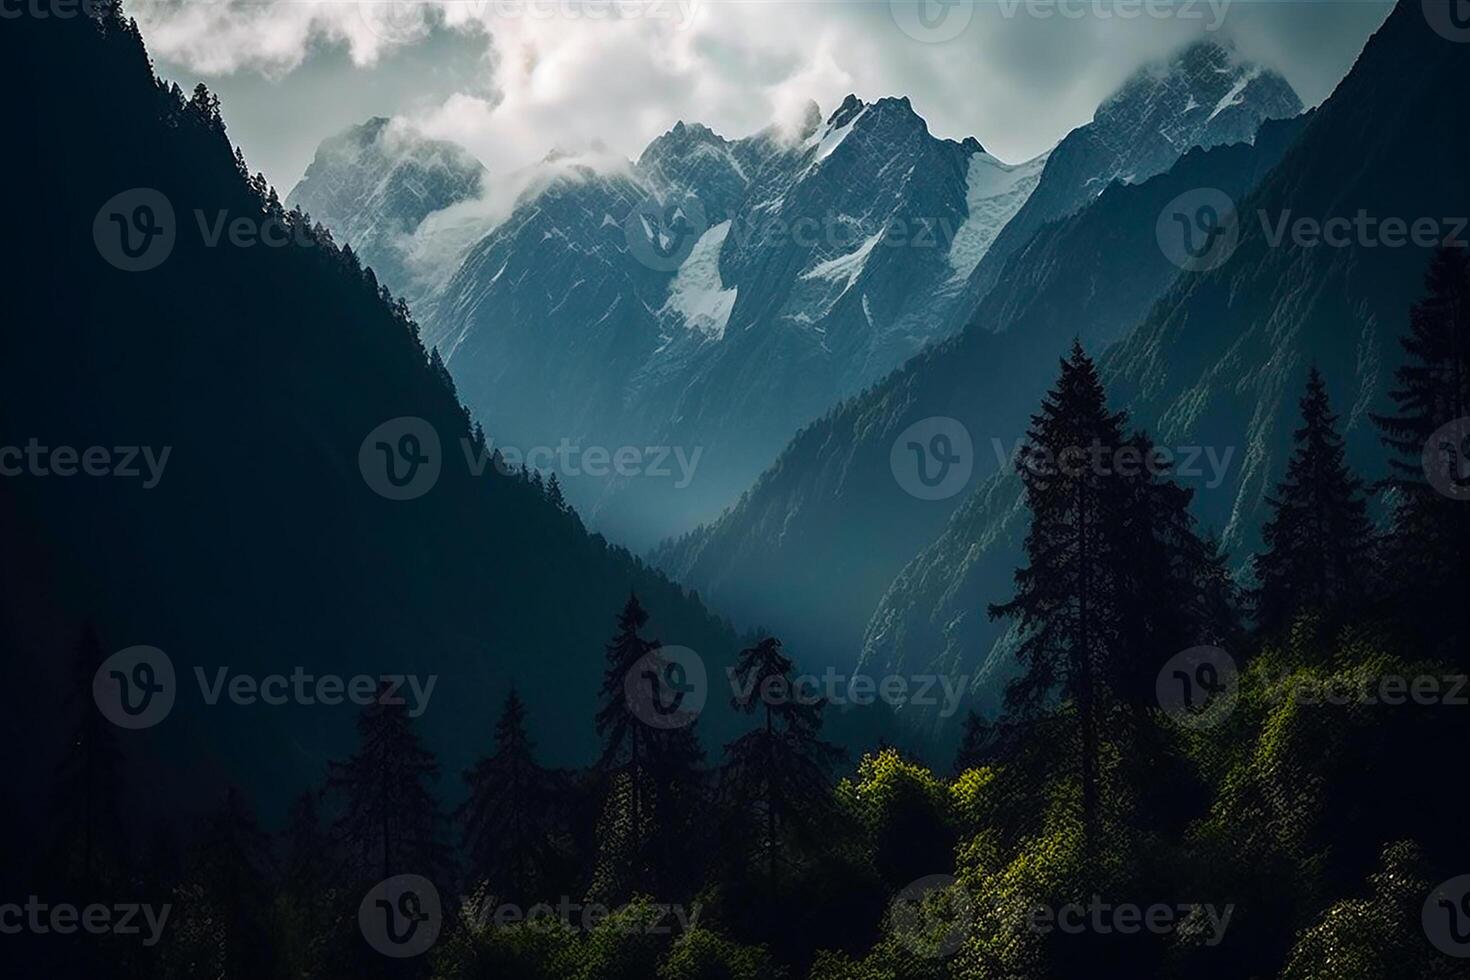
1204	96
717	295
810	264
1222	358
375	183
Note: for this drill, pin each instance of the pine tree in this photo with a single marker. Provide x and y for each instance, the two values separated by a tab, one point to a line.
441	371
620	729
1116	574
391	823
222	929
657	768
507	820
677	779
1170	586
1429	535
1318	539
1066	594
555	495
205	107
780	769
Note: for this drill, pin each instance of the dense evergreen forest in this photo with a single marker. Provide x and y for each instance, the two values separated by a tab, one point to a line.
1190	779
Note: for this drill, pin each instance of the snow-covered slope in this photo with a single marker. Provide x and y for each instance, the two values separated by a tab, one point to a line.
1203	96
996	192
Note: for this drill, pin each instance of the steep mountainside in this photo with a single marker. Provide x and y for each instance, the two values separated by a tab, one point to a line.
269	542
787	555
1222	358
715	295
702	304
374	184
1204	96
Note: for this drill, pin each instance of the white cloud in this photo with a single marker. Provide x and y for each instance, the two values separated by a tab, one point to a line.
568	72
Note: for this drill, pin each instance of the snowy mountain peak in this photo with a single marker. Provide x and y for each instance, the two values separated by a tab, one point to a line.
891	119
682	138
850	107
1204	95
374	184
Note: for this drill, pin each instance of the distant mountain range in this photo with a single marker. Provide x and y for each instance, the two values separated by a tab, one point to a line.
717	295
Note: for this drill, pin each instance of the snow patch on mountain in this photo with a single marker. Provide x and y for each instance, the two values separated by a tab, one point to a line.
1233	97
696	294
830	137
995	193
848	266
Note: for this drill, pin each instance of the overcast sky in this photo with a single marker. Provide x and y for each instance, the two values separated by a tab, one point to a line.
511	79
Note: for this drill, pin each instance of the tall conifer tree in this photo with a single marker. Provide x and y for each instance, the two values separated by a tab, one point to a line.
508	819
1065	593
781	767
1114	574
1429	537
391	824
1318	538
